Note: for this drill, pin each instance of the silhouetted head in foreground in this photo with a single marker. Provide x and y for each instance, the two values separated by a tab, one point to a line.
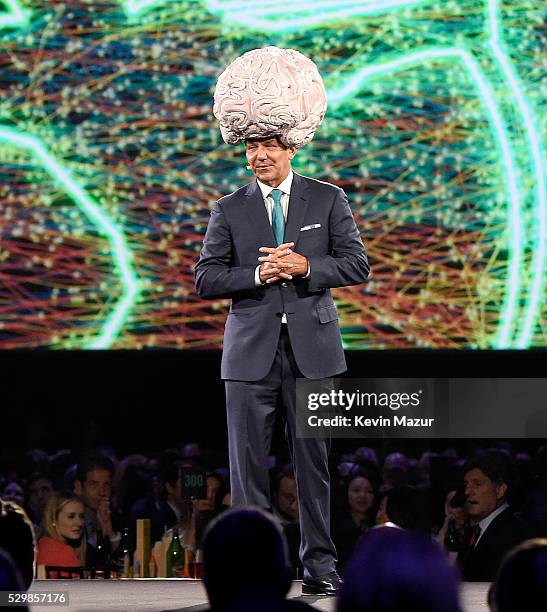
521	583
245	554
394	570
17	539
10	578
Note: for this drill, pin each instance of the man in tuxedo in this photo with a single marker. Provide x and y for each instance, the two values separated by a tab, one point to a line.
496	530
276	247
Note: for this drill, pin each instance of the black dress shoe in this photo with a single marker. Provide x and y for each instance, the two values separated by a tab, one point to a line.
328	584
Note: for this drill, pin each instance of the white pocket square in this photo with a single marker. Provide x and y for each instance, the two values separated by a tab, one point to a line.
310	227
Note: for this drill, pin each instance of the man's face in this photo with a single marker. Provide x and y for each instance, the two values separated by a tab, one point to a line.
287	499
96	488
483	495
270	161
213	486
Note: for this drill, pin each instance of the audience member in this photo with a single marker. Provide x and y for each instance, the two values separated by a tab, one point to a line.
284	496
191	453
446	473
93	483
165	507
218	500
17	539
39	489
394	471
285	509
133	482
59	463
366	457
246	565
64	543
521	582
171	506
13	491
216	490
404	506
496	529
398	571
35	460
356	512
454	532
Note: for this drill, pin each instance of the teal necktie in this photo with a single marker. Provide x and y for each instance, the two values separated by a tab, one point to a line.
278	220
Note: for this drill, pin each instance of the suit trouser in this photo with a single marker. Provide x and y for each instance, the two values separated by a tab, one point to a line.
251	411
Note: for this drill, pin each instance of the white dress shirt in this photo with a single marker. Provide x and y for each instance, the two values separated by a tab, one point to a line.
285	187
266	190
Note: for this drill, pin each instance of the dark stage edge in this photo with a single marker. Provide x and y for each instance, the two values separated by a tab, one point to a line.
179	595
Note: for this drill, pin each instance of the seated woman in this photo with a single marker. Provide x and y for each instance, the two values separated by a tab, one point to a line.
64	543
357	511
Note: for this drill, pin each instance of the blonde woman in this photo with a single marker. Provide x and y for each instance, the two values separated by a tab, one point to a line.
64	542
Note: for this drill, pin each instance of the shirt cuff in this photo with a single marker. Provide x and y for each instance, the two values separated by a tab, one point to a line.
308	273
258	282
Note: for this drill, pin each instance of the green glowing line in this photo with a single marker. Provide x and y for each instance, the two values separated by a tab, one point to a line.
534	142
315	12
134	8
15	16
487	96
120	252
253	13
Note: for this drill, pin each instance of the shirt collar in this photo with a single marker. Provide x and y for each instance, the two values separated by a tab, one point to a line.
484	524
285	185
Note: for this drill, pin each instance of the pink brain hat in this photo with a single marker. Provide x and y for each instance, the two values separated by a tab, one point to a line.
268	92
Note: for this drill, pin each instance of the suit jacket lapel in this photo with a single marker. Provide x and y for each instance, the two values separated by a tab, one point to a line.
257	216
298	204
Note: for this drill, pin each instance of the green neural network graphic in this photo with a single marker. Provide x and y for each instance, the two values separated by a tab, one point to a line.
111	158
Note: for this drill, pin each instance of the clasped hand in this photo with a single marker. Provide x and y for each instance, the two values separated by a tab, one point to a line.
281	263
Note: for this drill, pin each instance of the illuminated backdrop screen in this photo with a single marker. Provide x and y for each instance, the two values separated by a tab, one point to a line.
110	159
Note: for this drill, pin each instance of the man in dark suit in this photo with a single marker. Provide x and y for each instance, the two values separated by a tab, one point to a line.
496	529
165	507
276	247
282	325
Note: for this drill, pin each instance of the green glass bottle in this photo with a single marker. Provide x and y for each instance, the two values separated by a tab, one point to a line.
175	557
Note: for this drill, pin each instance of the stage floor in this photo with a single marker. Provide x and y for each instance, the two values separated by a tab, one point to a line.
168	595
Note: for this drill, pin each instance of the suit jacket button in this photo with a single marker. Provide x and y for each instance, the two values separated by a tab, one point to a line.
284	284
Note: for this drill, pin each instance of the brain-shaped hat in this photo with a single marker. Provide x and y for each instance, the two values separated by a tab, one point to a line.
268	92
